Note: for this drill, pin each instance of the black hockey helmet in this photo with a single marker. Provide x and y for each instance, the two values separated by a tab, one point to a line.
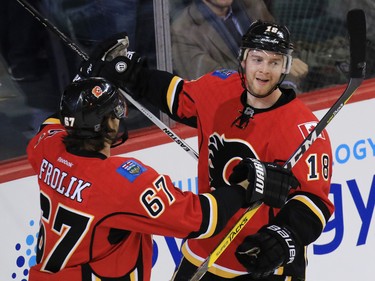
86	103
268	37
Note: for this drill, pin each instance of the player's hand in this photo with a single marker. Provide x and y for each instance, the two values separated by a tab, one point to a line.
268	182
107	50
124	72
271	247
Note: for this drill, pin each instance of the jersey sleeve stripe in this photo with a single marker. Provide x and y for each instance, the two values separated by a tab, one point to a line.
171	94
51	120
311	205
212	217
216	269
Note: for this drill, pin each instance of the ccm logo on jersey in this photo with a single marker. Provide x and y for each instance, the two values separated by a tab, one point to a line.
306	129
131	170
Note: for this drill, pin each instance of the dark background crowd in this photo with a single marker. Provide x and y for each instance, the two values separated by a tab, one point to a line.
36	65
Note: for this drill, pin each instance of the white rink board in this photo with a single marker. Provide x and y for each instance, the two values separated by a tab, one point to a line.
343	252
352	241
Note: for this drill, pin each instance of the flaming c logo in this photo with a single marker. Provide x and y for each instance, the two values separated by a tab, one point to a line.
224	154
97	91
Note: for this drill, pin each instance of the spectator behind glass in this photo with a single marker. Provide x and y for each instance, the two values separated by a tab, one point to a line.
22	42
320	38
339	9
25	48
206	36
88	22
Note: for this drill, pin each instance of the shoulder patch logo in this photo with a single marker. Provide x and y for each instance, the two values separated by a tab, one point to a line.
131	170
307	127
223	73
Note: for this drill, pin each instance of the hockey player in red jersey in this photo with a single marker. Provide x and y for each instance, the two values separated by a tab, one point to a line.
238	115
99	211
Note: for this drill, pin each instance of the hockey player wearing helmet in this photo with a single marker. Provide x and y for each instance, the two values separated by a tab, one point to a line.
265	46
98	211
83	109
245	115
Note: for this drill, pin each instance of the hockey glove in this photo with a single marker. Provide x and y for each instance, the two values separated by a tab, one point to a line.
124	72
107	50
262	253
269	182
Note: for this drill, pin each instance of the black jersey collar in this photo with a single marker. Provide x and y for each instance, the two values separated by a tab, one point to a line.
248	111
87	153
287	95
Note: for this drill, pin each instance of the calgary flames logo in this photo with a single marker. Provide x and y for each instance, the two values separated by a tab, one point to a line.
224	154
97	91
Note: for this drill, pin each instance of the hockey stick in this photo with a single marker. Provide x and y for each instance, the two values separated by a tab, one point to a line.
356	24
84	56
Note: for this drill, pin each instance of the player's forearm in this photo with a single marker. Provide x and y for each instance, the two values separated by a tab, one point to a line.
159	87
306	214
228	201
154	87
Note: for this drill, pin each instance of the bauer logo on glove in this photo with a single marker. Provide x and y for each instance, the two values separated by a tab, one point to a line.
271	247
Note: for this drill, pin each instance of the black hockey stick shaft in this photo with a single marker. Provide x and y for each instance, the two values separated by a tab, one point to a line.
180	142
356	24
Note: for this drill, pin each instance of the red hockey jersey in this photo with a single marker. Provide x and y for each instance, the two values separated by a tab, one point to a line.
217	100
98	213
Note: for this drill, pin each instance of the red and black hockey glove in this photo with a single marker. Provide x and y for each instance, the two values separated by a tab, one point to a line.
271	247
268	182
